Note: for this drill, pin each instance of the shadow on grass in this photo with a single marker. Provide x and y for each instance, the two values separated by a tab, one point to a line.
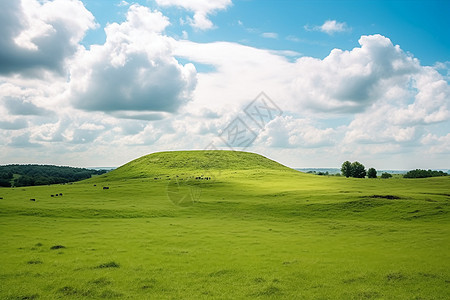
111	264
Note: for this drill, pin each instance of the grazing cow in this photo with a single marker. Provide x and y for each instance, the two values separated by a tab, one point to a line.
1	198
32	199
95	185
53	195
56	195
60	194
106	187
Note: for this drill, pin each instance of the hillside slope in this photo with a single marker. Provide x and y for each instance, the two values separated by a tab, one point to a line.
192	162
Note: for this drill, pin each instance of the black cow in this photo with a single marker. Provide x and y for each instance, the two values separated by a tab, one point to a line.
32	199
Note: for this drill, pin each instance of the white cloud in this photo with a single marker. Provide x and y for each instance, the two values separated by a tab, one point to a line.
350	81
91	126
289	132
40	36
133	71
201	8
332	26
123	3
269	35
241	73
329	27
388	96
437	144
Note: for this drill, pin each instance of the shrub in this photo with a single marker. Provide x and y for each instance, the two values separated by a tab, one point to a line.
386	175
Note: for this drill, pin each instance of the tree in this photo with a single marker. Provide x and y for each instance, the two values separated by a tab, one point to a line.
372	173
346	169
5	182
386	175
358	170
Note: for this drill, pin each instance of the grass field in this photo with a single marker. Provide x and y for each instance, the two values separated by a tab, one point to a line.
255	230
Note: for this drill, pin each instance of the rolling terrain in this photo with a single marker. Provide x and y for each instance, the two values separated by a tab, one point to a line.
225	225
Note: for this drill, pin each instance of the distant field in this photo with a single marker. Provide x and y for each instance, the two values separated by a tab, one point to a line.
255	230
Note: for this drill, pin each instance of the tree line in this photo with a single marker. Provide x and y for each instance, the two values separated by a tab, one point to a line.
357	170
31	175
418	173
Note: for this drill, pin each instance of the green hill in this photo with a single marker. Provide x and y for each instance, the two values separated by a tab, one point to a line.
192	163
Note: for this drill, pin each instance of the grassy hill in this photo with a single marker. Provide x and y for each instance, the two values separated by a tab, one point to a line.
256	230
193	162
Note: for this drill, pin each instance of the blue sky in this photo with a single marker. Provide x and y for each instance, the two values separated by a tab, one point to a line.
420	27
354	80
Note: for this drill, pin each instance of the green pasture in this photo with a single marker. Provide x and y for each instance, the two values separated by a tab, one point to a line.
253	229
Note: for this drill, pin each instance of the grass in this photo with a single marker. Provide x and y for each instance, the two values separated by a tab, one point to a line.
256	230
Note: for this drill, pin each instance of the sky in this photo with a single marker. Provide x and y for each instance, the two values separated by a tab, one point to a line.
94	83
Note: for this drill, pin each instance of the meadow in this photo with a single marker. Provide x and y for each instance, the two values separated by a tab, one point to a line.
256	229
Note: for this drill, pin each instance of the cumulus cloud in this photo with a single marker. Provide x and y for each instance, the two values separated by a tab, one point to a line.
432	101
133	71
375	127
329	27
36	35
409	103
387	96
350	81
201	8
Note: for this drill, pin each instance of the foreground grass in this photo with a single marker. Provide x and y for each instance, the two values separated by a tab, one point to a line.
250	234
